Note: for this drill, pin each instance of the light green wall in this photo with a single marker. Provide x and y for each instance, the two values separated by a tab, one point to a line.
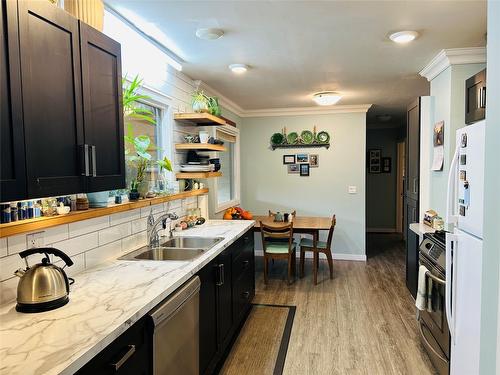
491	245
267	185
381	187
448	90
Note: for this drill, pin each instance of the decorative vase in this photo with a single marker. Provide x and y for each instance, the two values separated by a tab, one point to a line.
143	188
200	106
99	199
133	195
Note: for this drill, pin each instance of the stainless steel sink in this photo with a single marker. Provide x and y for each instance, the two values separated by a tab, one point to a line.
191	242
177	248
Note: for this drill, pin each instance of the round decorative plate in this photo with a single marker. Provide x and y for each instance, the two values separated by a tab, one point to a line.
277	138
292	138
307	137
323	137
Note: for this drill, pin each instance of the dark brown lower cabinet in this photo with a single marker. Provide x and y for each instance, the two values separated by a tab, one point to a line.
227	289
412	239
129	354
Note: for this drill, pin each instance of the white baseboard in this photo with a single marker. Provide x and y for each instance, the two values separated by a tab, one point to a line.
381	230
336	256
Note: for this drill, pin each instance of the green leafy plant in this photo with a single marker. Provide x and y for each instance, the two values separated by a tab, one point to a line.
203	103
138	155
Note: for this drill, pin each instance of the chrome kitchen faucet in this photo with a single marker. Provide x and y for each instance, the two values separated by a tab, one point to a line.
152	228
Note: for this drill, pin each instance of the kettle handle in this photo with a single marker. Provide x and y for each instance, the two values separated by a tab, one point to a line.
47	250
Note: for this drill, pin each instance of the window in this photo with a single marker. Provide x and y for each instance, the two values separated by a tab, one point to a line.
227	187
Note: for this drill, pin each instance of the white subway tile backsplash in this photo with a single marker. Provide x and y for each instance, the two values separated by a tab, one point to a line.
134	242
110	251
3	247
157	209
55	234
10	264
114	233
123	217
78	244
139	225
87	226
16	244
77	267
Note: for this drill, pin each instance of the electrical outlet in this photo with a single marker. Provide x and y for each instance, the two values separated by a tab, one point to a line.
352	189
35	240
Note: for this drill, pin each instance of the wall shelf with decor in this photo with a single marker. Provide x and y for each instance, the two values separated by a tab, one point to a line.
313	145
199	119
199	147
191	175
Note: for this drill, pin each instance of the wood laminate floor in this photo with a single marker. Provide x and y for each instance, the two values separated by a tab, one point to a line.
361	322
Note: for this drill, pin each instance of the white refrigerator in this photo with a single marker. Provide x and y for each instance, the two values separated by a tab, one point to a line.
464	248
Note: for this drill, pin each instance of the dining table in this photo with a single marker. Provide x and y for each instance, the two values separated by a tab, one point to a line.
301	224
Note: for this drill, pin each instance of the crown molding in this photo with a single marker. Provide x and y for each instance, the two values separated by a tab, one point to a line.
301	111
453	56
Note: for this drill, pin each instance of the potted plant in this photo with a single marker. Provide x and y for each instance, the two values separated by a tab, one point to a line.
137	154
199	101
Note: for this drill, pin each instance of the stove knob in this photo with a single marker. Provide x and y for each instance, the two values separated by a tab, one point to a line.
428	245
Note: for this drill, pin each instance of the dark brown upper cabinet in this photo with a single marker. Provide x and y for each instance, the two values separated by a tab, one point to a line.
12	168
475	97
64	91
51	86
102	109
413	150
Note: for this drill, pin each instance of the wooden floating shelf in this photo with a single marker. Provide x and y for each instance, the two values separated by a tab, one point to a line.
29	225
189	175
199	146
199	119
312	145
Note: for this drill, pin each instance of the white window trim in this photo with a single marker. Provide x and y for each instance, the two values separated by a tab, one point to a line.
164	103
230	130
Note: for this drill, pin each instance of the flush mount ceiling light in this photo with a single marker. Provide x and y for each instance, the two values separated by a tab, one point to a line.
384	118
327	97
209	33
238	68
403	37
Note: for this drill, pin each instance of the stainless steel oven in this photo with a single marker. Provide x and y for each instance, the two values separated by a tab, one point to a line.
433	324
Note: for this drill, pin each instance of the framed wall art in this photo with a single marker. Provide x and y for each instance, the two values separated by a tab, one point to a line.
304	169
288	159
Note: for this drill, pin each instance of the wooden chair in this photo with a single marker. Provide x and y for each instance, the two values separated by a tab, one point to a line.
317	247
278	250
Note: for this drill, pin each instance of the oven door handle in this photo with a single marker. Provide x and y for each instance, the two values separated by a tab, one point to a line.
435	278
429	345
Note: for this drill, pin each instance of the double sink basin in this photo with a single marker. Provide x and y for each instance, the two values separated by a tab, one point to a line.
176	248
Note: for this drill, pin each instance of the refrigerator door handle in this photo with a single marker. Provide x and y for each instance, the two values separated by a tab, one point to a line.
451	217
450	280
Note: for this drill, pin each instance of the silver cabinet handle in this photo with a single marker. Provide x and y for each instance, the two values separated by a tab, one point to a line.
479	99
221	275
414	215
483	97
415	190
94	170
85	152
126	356
435	278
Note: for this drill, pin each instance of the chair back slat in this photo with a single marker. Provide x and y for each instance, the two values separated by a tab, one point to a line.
273	231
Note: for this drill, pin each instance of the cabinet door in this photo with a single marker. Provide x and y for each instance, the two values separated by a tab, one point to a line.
475	97
224	298
52	100
208	315
413	150
102	109
412	239
12	157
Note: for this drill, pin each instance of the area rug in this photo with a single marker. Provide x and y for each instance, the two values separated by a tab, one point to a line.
262	344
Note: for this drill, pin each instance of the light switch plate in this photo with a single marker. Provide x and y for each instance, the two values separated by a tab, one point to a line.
35	240
352	189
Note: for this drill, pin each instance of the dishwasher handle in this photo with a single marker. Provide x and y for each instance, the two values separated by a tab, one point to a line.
171	304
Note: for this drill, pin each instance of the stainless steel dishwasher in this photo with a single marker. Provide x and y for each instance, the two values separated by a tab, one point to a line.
176	331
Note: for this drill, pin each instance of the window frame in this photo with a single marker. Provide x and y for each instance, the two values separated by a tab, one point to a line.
236	180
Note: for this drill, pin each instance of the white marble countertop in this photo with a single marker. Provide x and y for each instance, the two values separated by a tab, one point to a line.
421	229
104	302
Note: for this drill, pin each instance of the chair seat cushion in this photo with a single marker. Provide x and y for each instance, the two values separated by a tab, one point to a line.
306	242
278	248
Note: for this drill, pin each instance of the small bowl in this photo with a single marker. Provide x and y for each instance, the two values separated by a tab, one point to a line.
63	210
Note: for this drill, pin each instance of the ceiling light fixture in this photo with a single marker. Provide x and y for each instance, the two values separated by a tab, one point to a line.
327	97
209	33
403	37
384	118
238	68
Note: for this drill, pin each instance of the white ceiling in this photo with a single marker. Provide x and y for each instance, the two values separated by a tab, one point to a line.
296	48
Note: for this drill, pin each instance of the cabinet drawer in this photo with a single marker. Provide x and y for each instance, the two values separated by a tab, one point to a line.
244	261
243	293
130	353
244	242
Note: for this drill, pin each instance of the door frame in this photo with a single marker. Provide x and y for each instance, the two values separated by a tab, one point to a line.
400	175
